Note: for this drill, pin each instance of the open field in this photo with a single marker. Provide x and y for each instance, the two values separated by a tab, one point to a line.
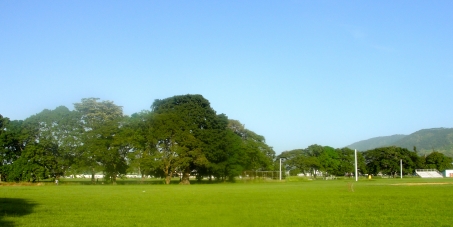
344	202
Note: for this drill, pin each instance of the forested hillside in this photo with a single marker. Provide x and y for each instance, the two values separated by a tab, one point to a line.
425	141
372	143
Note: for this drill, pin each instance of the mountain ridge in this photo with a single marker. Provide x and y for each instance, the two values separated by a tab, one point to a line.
424	141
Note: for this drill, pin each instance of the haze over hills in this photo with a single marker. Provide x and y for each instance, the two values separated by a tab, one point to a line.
381	141
425	141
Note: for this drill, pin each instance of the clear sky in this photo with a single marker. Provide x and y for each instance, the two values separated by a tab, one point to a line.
297	72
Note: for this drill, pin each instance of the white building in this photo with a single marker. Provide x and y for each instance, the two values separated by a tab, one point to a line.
448	173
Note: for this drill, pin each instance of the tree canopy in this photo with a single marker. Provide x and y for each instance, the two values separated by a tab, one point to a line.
181	135
317	159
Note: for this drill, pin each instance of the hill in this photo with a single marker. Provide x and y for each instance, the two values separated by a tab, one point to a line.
425	141
382	141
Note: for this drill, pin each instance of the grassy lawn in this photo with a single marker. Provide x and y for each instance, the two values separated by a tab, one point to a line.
343	202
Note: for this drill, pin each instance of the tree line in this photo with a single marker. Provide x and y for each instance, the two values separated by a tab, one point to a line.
325	160
180	135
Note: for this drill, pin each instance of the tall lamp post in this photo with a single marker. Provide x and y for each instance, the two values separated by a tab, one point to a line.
355	161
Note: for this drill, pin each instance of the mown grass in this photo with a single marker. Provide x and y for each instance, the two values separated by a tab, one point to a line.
341	202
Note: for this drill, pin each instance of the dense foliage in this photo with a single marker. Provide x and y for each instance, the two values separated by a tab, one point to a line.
181	135
327	161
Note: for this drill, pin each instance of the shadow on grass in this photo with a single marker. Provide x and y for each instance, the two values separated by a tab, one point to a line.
11	207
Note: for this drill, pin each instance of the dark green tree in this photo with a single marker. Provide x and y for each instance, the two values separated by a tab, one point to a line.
25	157
439	161
227	155
361	164
141	158
102	139
386	160
13	141
257	155
58	133
166	133
303	160
329	160
313	163
183	128
291	162
235	156
346	164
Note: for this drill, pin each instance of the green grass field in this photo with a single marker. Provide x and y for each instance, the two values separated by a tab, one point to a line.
343	202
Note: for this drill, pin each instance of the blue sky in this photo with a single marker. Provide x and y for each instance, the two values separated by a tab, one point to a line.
297	72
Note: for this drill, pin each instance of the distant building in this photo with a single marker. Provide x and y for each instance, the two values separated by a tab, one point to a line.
448	173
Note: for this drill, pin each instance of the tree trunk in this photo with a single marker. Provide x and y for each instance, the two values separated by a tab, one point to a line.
114	179
167	174
93	181
142	177
167	179
185	176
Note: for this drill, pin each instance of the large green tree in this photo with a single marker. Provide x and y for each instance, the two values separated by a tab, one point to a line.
58	133
141	158
313	162
292	161
437	160
166	133
12	143
257	155
181	134
226	153
386	160
330	160
110	148
317	158
304	161
25	157
233	162
103	141
182	128
347	162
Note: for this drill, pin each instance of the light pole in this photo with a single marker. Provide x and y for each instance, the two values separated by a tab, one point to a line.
280	169
355	162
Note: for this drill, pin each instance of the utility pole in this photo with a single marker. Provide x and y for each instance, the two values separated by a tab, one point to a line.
355	161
